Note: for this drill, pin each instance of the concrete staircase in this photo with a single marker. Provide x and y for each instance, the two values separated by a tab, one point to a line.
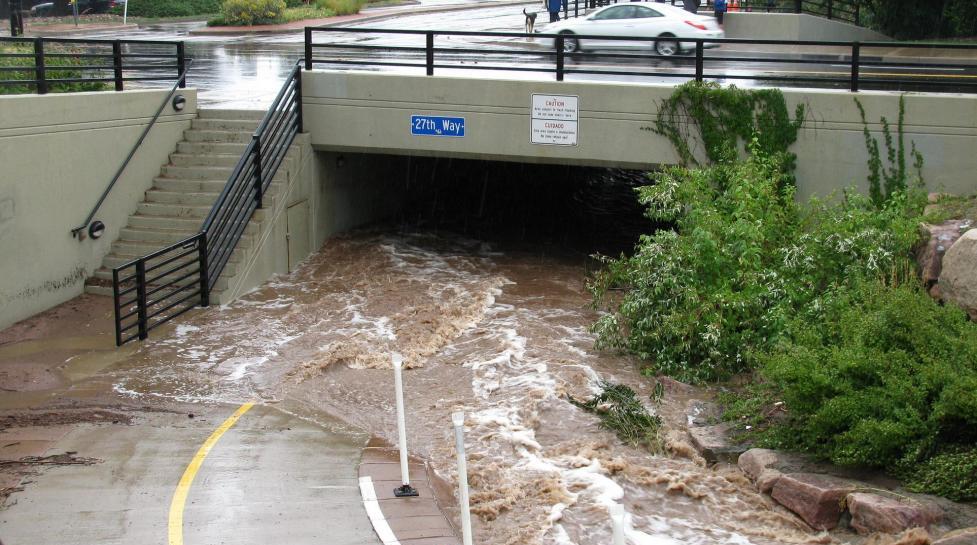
185	191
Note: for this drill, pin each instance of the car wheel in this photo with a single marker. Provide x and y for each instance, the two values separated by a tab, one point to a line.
570	44
665	46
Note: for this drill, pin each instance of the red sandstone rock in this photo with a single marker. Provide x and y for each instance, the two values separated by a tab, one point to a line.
966	536
815	498
755	460
714	444
874	513
939	239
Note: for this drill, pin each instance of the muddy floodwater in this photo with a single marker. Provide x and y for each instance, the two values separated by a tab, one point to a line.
499	334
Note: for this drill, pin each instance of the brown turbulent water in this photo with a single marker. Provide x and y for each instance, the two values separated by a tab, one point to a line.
501	336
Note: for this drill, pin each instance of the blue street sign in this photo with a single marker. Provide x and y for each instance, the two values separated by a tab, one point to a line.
436	125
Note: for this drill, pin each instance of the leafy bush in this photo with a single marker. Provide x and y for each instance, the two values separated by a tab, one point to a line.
342	7
250	12
51	72
299	13
879	376
621	412
952	475
742	259
171	8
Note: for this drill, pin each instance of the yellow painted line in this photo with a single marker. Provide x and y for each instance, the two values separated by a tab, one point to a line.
182	489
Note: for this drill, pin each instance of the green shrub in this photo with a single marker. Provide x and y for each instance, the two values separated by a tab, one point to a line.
251	12
342	7
951	475
879	376
741	260
172	8
51	72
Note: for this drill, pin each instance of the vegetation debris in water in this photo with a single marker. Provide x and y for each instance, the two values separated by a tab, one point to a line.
621	411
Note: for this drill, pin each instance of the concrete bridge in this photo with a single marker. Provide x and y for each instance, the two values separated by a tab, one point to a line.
344	172
371	113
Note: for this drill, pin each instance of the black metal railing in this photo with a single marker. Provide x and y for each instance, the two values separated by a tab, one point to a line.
50	64
156	288
775	63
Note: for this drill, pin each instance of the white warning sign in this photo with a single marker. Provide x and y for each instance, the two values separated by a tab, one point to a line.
554	120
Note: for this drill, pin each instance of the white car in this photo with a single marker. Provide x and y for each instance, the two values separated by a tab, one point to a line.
636	19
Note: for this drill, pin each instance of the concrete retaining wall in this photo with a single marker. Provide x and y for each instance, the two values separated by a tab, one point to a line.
343	191
58	152
792	26
371	113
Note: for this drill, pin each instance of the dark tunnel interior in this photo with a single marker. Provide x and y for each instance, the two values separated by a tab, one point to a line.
554	209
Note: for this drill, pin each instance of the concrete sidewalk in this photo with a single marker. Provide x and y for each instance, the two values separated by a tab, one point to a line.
270	478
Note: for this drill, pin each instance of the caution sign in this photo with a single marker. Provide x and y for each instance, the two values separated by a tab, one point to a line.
554	120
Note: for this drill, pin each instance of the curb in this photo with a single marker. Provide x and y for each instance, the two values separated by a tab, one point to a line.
39	33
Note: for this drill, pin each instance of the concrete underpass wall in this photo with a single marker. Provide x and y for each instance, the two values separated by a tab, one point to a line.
365	112
343	191
793	26
58	152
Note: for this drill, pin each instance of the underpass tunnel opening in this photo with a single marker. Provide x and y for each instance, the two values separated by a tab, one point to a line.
520	206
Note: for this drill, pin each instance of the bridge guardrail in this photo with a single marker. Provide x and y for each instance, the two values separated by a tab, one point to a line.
852	66
42	64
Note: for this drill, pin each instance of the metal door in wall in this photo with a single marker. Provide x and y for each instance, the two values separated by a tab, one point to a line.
297	236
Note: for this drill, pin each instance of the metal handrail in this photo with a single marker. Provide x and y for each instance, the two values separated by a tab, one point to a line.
853	58
180	83
190	268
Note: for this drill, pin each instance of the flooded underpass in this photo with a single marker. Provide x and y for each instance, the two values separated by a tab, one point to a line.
480	283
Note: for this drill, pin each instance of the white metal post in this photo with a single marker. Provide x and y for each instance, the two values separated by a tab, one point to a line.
405	489
458	419
617	522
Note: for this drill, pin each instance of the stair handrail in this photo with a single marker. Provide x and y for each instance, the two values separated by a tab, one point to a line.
255	137
179	83
151	306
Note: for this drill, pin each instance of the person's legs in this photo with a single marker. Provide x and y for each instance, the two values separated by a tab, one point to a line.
719	17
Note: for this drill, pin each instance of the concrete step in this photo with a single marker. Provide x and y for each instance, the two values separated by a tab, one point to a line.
227	137
114	261
210	172
196	172
228	160
249	125
210	148
203	186
179	197
127	250
103	278
170	236
218	113
186	224
172	210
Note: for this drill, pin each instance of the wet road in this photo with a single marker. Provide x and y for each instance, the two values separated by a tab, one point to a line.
247	71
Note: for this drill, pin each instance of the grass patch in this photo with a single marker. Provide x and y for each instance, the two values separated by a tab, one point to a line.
620	411
952	475
956	208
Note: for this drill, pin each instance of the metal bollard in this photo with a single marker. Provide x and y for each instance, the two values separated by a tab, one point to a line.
405	490
458	419
617	521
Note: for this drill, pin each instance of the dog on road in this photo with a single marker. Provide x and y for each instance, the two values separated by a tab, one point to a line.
530	20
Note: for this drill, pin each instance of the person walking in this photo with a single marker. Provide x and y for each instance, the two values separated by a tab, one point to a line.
691	6
553	6
719	7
